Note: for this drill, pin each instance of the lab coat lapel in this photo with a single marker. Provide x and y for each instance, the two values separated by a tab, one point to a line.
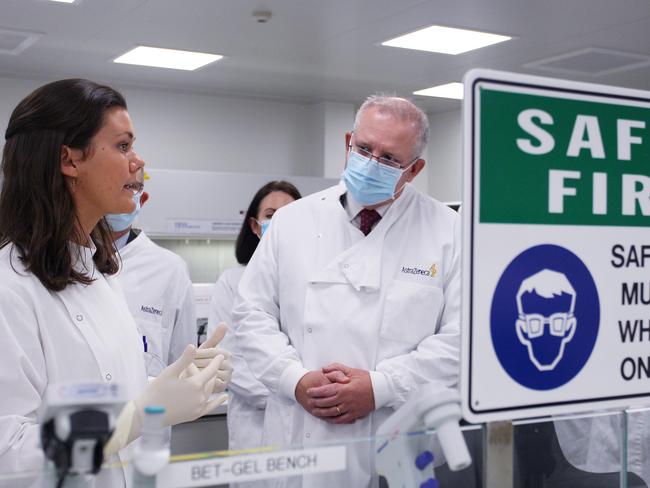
72	299
334	232
75	298
365	258
359	264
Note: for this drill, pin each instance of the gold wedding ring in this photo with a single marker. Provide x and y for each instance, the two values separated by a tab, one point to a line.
339	410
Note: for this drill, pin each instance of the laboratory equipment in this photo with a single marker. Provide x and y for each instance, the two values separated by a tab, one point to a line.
77	421
407	461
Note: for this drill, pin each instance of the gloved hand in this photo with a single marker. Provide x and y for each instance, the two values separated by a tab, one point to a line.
209	350
185	397
180	388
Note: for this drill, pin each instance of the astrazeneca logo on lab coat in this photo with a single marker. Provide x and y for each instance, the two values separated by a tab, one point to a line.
545	317
431	272
151	310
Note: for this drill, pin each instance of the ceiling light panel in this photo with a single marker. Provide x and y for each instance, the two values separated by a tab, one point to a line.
15	42
592	61
449	90
167	58
446	40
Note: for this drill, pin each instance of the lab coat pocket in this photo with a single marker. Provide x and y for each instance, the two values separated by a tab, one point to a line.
151	335
411	312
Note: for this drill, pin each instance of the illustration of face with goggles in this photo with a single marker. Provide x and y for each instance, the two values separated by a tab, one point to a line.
545	302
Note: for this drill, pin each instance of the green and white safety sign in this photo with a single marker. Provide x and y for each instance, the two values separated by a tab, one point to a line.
556	259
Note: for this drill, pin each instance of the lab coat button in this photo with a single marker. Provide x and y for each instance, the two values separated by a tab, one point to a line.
309	330
345	265
79	317
307	435
109	377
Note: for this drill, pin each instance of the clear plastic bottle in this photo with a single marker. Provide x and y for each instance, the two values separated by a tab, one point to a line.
151	453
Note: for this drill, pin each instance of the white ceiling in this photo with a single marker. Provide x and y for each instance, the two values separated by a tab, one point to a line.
313	50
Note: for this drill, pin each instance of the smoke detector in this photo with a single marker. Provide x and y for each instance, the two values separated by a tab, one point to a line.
262	16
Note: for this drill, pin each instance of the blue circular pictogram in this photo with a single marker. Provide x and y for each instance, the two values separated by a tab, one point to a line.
544	317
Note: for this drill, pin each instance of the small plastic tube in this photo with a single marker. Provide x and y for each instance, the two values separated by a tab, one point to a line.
453	445
152	452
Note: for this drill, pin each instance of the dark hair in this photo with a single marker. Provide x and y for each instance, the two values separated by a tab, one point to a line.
37	211
246	240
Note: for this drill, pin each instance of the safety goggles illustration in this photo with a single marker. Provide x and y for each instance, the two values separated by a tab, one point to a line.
557	322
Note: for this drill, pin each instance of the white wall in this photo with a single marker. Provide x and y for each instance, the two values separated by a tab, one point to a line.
444	156
201	132
338	119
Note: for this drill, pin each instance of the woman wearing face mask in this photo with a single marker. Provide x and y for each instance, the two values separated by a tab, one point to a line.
247	398
68	160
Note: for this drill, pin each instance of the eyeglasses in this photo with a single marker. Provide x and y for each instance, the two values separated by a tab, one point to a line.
385	160
535	324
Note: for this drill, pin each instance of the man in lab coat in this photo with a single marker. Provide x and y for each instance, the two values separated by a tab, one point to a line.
157	287
352	299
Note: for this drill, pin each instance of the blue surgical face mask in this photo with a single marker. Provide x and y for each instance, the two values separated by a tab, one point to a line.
368	181
120	222
264	225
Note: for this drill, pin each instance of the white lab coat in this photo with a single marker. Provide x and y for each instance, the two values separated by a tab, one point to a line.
84	333
317	291
246	395
593	444
159	293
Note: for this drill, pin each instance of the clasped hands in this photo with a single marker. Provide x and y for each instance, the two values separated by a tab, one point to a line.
336	394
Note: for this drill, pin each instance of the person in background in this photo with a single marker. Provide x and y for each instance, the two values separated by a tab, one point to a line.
157	286
351	301
247	396
67	161
589	448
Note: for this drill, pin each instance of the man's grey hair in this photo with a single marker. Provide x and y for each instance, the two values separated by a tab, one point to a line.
403	109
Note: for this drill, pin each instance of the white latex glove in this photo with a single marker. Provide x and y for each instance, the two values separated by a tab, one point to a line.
185	397
181	389
209	350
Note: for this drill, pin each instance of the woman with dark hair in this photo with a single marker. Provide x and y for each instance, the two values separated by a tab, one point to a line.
247	395
267	200
68	160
